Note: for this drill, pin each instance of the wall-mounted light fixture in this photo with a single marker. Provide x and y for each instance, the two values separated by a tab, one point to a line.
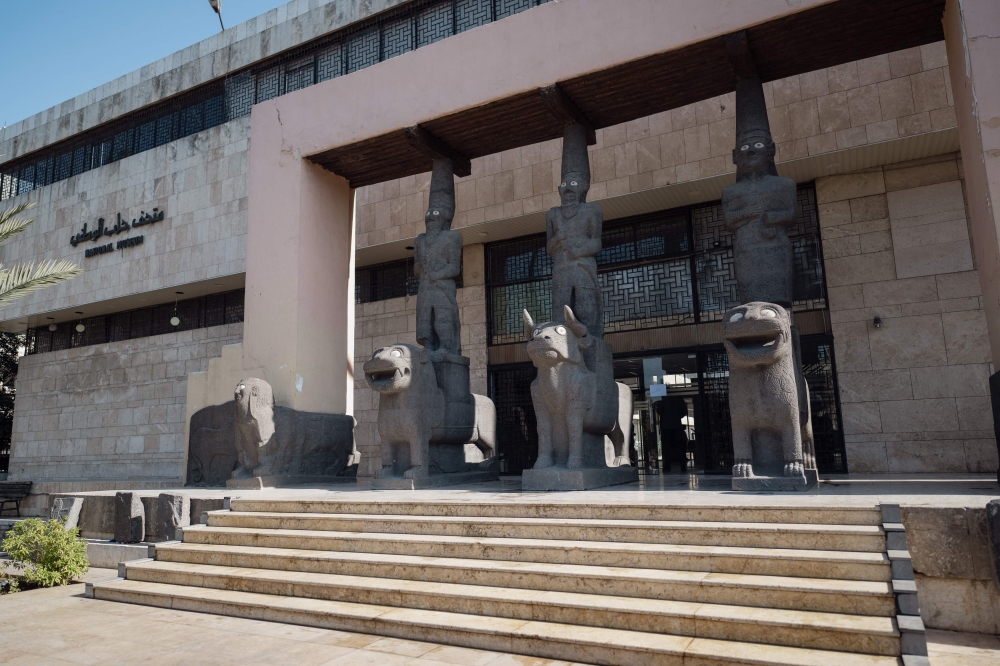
877	322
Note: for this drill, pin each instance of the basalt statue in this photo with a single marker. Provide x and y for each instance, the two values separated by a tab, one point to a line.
583	416
759	209
575	408
282	446
434	431
763	398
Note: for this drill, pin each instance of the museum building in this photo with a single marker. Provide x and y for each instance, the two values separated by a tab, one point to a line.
197	274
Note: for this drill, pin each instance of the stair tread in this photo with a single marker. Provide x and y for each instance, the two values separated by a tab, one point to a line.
813	585
497	629
865	530
705	611
863	557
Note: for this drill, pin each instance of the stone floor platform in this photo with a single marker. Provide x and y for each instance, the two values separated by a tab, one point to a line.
58	626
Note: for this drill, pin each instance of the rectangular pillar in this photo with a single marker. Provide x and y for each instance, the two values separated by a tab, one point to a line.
971	29
299	316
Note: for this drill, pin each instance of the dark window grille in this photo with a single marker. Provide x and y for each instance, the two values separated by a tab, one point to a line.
665	269
355	47
393	279
202	312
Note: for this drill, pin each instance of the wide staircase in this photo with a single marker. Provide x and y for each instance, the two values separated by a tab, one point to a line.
595	584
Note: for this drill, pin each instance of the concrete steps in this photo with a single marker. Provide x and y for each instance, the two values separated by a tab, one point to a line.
714	559
612	585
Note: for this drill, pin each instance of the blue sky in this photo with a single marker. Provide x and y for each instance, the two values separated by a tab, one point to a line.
53	50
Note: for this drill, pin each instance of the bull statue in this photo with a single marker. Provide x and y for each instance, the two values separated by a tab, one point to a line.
584	417
430	424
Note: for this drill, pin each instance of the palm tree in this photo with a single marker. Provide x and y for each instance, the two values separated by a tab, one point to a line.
24	279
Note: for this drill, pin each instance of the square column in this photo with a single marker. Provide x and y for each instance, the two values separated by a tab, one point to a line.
972	38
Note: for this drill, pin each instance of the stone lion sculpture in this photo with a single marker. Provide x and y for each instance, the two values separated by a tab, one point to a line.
275	441
764	402
425	420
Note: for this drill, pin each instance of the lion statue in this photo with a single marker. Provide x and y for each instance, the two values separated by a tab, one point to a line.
764	401
427	416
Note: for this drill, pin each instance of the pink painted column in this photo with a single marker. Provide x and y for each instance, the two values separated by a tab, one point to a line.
972	37
299	328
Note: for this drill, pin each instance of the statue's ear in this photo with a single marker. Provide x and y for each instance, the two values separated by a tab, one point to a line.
574	325
529	324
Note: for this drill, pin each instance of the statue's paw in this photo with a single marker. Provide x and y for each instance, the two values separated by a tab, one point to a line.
743	470
417	472
383	473
795	468
543	462
622	461
574	462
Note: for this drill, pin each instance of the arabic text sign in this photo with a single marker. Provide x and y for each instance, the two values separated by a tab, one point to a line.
121	226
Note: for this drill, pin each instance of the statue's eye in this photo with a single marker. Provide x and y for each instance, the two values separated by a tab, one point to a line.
759	144
535	333
561	330
396	353
768	312
572	182
563	184
436	213
242	387
745	146
736	317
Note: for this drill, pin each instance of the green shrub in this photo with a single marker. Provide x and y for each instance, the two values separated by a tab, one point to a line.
49	553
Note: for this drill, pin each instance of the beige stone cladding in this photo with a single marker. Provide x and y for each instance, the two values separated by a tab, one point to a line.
199	182
111	411
914	392
855	104
386	322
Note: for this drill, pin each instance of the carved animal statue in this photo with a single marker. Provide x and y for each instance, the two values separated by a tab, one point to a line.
415	414
572	401
763	395
281	441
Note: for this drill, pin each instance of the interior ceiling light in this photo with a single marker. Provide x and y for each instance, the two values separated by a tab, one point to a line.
175	320
80	328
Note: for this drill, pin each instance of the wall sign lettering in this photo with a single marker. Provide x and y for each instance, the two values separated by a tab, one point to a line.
121	226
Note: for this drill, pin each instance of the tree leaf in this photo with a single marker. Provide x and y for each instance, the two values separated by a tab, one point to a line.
25	279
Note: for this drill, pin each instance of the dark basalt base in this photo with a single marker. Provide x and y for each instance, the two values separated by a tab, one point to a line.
283	481
776	483
434	480
560	478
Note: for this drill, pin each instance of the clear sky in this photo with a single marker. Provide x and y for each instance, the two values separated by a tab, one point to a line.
53	50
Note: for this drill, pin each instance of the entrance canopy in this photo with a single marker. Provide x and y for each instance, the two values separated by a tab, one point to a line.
823	35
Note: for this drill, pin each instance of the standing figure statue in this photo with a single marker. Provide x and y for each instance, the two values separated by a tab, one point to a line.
573	239
759	209
437	262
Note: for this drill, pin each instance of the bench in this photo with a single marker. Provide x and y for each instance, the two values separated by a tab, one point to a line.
12	492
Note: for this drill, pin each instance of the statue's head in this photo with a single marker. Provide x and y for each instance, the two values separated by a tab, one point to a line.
391	368
255	409
573	188
441	199
552	343
757	334
755	152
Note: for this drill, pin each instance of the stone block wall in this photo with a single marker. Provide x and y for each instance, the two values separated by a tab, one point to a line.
914	392
855	104
395	320
110	412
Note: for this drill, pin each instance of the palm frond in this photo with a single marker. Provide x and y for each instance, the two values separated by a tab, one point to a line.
26	279
11	224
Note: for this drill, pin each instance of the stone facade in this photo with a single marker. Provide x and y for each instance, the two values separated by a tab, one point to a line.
858	103
914	391
200	183
395	320
112	411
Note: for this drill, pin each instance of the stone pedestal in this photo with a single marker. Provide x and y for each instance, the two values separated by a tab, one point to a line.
561	478
130	518
776	483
